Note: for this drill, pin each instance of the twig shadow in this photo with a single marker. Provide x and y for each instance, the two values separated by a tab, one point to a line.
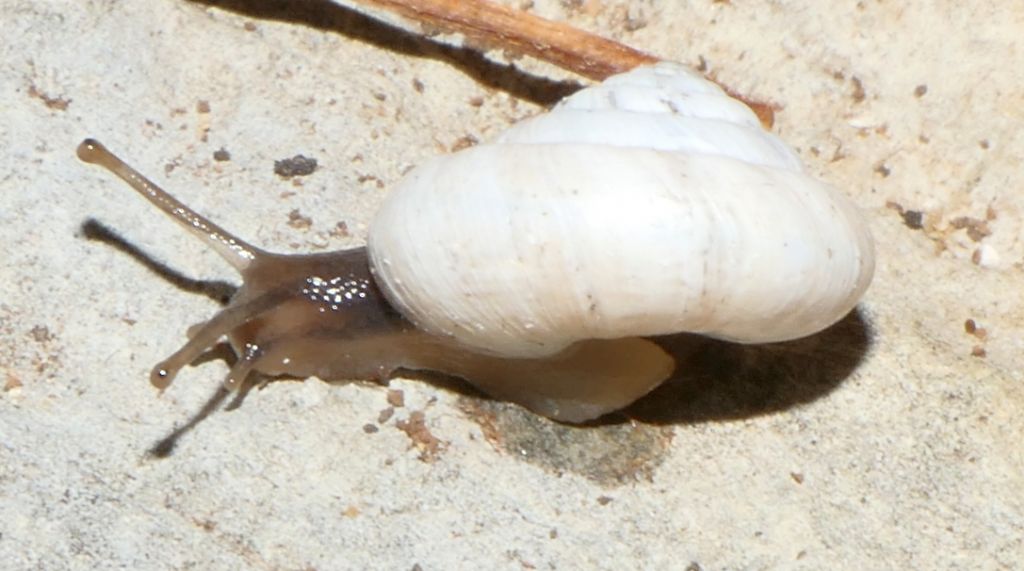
330	17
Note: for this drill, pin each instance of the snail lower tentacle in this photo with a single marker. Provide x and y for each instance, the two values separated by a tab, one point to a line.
204	337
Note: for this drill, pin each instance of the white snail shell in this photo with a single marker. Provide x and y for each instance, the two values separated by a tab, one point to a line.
649	204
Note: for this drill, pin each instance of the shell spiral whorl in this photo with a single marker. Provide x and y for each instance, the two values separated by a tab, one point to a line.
649	204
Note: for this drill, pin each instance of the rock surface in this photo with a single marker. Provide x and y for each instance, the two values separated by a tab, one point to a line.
891	441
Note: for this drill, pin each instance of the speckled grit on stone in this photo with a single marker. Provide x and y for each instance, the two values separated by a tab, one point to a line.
892	441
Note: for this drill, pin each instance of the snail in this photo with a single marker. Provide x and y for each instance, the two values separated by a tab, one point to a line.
537	266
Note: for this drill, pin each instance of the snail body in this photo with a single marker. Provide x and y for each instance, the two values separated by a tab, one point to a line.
535	266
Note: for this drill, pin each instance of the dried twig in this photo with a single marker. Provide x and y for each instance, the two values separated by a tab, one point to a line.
570	48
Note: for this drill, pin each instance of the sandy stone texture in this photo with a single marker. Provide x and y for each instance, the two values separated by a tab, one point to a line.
891	441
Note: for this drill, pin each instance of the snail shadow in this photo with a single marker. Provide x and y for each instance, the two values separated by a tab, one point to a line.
714	380
352	24
219	291
718	380
721	381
